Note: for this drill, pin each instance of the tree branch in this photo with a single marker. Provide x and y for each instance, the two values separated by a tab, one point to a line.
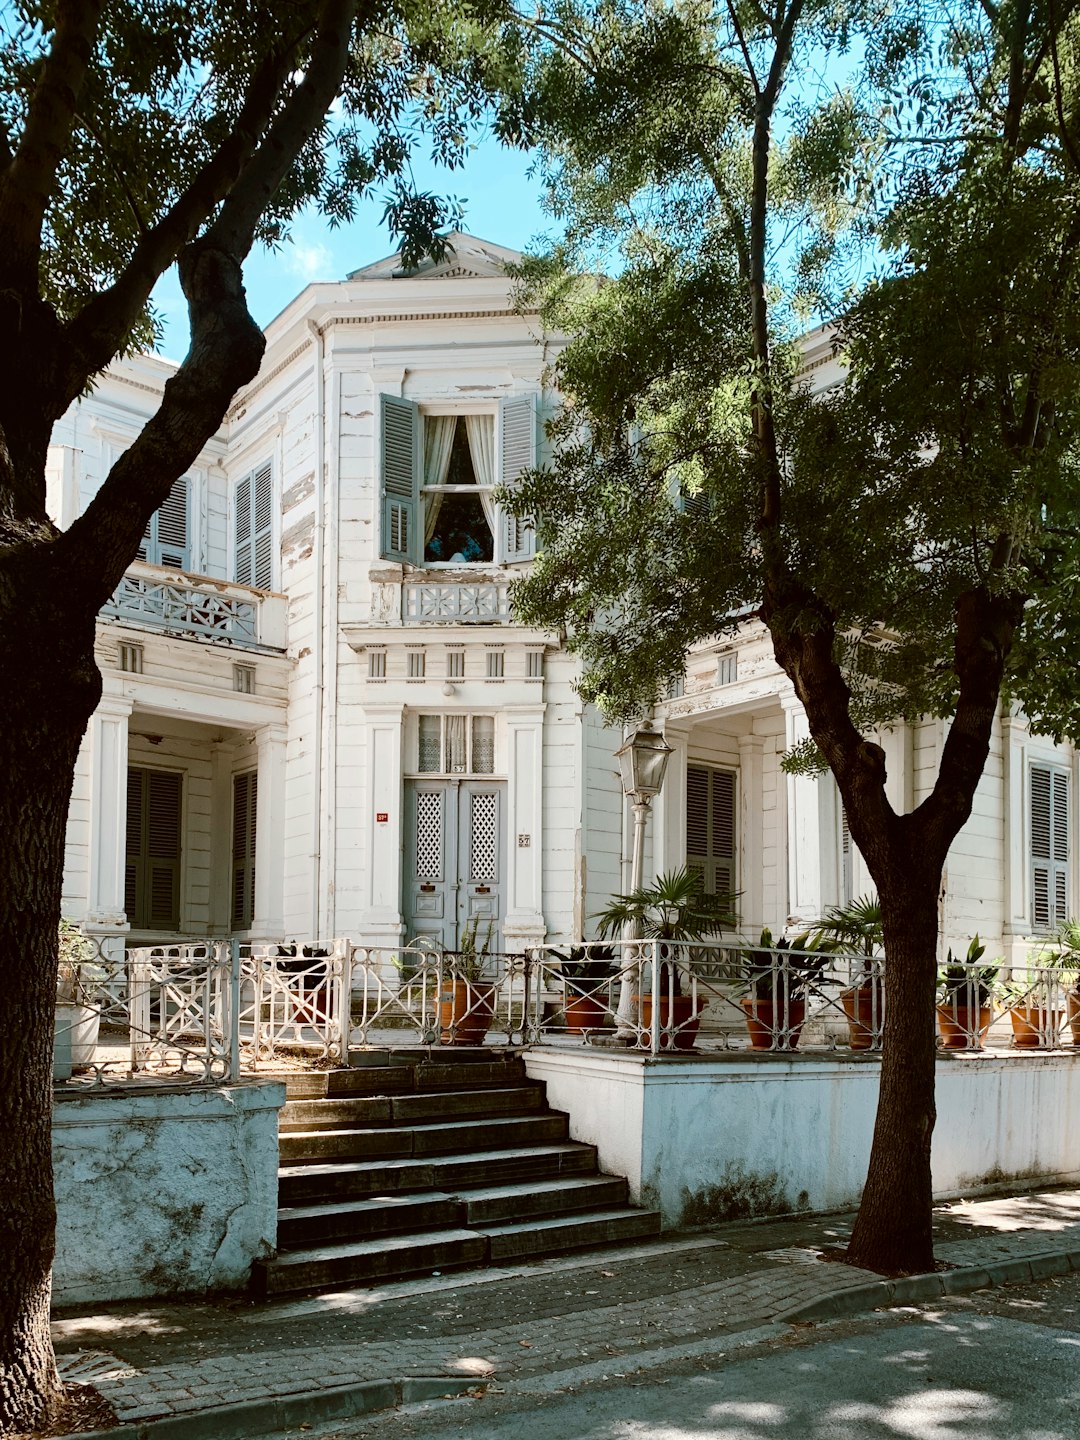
27	181
234	228
99	329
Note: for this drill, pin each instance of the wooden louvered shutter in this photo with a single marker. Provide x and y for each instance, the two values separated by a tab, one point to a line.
152	871
245	803
170	523
517	453
402	528
710	826
1049	846
262	527
243	568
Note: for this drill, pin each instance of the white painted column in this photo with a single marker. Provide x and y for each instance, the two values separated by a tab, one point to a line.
381	917
524	923
750	879
268	922
669	807
806	900
108	814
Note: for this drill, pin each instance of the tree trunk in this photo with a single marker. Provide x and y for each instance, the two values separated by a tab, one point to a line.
893	1232
52	686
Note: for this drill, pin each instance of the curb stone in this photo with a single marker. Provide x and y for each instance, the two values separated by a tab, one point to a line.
282	1412
913	1289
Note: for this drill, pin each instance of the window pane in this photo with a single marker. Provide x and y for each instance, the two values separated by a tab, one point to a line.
483	744
460	534
456	759
430	757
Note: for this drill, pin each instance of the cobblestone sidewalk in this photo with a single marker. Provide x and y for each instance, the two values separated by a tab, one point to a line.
543	1325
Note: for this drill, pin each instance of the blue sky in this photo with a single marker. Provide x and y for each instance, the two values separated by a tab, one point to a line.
502	203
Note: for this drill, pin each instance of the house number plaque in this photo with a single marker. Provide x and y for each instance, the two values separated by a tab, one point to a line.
524	841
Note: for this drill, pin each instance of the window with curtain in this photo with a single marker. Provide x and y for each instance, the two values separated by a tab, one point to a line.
455	744
459	476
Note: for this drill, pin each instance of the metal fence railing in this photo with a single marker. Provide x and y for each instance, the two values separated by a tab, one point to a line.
210	1011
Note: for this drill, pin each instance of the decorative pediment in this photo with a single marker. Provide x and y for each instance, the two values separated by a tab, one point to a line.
468	257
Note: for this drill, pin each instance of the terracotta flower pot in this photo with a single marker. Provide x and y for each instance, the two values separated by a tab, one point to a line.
465	1012
1029	1023
765	1021
678	1018
862	1009
1074	1015
584	1013
957	1025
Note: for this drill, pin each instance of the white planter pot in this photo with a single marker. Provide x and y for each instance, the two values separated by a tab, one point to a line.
75	1038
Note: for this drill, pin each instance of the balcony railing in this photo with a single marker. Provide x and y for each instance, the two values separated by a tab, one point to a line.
203	609
425	602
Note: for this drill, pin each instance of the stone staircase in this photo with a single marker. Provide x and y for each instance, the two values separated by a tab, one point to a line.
423	1160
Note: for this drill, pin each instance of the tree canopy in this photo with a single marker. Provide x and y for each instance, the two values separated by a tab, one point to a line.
907	176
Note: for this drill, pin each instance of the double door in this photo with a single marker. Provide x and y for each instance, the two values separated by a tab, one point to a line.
454	860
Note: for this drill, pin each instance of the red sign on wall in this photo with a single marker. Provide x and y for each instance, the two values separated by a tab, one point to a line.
381	817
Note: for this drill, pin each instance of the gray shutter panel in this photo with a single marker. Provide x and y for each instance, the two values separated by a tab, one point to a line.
1041	847
245	804
171	524
163	848
723	830
243	568
1060	844
517	453
262	527
135	845
401	536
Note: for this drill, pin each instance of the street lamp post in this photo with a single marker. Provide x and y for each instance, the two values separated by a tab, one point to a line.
643	758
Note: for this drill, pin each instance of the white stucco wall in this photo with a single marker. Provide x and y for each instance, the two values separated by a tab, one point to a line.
163	1192
708	1139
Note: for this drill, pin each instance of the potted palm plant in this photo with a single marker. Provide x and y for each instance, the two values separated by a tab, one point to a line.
467	996
780	975
674	910
1034	1001
966	1009
856	928
586	976
1068	943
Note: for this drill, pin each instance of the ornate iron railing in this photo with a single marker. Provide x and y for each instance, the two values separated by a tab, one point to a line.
431	602
203	609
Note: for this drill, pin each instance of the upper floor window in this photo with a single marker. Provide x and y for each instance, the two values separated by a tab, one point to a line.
167	540
439	474
253	528
1049	846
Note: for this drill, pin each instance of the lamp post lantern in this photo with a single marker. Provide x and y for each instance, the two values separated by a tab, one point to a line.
643	758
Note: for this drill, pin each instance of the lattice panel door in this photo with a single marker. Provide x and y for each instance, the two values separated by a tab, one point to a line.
429	834
484	838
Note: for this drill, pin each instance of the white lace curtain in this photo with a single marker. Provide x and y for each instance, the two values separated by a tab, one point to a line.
481	432
438	443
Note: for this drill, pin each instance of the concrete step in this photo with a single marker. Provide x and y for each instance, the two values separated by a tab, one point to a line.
323	1084
307	1184
311	1225
397	1072
361	1112
399	1256
445	1138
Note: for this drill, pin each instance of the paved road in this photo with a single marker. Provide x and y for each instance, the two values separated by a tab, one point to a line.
998	1365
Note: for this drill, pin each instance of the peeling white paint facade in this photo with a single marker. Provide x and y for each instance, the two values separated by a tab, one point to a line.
341	665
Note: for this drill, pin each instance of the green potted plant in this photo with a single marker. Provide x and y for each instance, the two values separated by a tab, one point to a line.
966	1008
78	993
856	928
1068	942
467	997
675	908
586	976
779	975
1031	1000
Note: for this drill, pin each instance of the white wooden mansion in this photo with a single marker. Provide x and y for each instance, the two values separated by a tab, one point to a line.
319	718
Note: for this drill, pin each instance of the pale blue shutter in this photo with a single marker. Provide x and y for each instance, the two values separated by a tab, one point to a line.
402	516
171	523
1049	847
517	453
262	527
242	552
710	826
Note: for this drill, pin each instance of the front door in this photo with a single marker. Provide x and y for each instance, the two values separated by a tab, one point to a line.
454	847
